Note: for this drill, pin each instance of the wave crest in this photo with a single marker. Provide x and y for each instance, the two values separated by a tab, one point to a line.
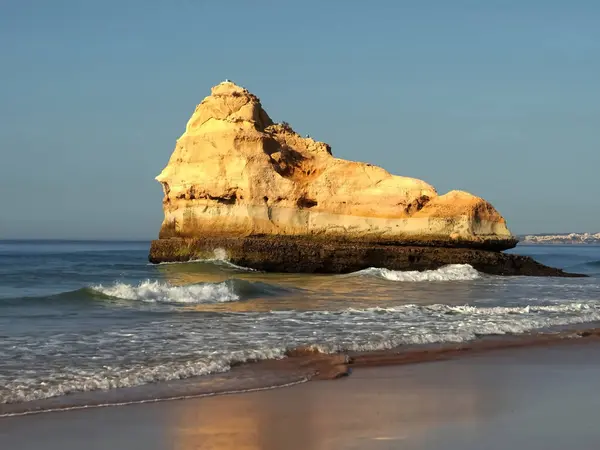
473	310
451	272
220	259
159	292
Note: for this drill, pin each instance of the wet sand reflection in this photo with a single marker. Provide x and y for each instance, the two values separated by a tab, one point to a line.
371	408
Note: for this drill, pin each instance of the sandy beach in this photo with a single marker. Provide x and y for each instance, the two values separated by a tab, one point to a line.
533	398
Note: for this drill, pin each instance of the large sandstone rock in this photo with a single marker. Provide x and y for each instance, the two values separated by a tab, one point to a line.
236	173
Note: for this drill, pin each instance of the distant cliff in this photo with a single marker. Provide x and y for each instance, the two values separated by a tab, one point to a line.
571	238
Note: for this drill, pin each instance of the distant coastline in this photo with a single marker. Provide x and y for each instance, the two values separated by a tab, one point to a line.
567	238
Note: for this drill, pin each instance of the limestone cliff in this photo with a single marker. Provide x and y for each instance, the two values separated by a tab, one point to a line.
236	173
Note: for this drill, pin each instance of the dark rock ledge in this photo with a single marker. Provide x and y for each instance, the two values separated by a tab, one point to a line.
322	255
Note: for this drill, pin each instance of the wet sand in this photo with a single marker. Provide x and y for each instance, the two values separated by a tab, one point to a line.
531	398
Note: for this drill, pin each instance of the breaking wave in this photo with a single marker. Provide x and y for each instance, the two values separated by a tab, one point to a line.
220	258
156	291
160	292
451	272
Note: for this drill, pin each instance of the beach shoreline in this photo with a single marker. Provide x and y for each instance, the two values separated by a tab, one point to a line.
528	397
300	365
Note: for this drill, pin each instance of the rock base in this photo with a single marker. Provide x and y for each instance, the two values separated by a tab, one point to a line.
312	255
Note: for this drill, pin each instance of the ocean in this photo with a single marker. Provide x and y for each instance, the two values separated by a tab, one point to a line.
80	319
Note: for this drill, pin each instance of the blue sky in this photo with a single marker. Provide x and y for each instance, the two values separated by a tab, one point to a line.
500	98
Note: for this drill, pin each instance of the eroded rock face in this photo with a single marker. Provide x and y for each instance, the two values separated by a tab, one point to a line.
235	172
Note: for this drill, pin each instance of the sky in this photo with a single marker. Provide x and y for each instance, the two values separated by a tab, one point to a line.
499	98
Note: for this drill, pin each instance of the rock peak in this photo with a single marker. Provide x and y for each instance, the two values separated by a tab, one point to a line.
228	107
228	87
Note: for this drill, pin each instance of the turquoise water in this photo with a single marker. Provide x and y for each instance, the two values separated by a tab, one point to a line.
95	316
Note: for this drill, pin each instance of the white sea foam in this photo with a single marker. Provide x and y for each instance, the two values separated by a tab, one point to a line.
156	399
220	258
470	310
451	272
198	347
74	380
156	291
221	254
418	324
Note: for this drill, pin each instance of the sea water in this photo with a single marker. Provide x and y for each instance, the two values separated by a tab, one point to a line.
85	317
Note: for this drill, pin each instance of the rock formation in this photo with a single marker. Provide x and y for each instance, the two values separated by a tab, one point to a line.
236	176
236	173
